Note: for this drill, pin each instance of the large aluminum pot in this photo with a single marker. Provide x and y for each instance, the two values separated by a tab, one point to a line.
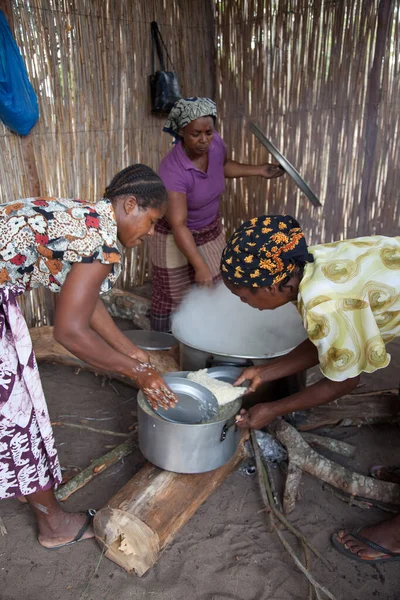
193	359
214	328
183	448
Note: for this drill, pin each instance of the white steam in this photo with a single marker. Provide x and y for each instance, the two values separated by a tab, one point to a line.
217	321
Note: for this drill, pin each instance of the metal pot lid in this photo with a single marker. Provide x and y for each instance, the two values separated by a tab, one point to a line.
211	352
196	404
285	164
151	340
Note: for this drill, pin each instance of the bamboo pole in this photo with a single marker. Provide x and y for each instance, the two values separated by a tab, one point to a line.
25	141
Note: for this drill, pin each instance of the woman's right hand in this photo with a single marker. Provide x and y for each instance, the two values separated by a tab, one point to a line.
203	276
254	375
154	387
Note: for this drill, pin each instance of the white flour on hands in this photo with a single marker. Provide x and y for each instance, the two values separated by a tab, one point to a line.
223	391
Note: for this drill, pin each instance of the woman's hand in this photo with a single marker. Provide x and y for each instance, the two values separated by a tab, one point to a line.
256	417
270	171
154	387
252	374
203	276
140	355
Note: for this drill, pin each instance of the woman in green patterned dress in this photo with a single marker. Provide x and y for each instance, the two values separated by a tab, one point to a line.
348	294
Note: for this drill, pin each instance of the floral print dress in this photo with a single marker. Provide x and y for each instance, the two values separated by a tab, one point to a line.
40	240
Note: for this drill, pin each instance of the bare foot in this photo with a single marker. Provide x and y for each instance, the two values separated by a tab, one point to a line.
63	529
386	534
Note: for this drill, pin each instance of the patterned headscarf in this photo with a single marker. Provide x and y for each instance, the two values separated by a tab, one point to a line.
263	251
185	111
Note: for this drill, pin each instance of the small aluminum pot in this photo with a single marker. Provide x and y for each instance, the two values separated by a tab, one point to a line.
184	448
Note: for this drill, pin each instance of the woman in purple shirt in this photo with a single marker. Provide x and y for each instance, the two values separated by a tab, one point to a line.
188	242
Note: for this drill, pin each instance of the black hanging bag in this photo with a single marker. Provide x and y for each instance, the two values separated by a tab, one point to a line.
164	86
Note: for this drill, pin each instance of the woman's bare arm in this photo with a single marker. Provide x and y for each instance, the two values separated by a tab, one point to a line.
103	324
177	217
72	328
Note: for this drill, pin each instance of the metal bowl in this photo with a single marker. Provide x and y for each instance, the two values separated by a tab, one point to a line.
151	340
196	404
227	374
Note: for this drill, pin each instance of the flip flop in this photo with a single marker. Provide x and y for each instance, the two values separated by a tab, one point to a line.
355	533
90	513
392	470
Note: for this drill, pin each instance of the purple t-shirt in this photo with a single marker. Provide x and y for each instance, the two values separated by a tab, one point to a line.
203	190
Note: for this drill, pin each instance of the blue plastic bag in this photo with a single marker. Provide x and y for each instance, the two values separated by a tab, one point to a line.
19	108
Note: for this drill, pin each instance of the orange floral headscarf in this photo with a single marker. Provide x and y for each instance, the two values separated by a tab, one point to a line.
264	250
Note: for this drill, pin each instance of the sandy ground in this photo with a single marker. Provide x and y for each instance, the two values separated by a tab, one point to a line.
225	552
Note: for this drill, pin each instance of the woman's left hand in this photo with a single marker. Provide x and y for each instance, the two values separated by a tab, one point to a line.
270	171
256	417
140	355
154	387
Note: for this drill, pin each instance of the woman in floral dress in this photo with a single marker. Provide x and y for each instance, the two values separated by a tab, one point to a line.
71	248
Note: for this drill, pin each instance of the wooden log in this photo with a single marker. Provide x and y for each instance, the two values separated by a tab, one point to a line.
147	513
48	350
126	305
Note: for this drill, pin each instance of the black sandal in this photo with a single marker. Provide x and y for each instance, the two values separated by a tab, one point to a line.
355	533
90	513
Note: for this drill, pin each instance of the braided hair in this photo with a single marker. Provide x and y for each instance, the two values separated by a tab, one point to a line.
140	181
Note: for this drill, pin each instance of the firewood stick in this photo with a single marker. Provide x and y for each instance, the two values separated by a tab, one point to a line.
95	468
354	501
310	577
301	455
274	516
307	566
329	443
86	428
268	496
275	494
3	528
